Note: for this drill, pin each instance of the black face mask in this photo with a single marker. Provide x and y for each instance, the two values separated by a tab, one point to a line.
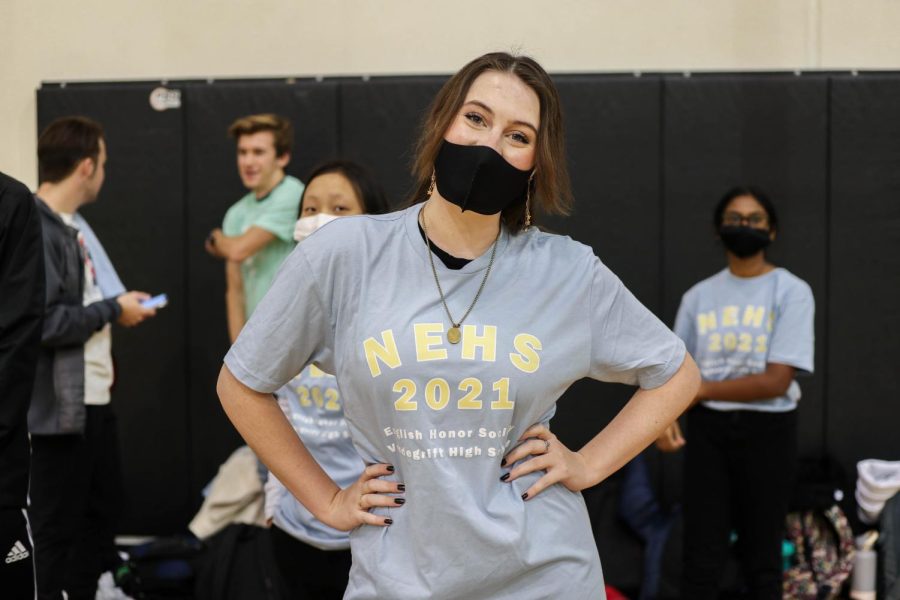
477	178
744	241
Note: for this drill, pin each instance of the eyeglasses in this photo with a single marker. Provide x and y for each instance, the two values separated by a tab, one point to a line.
756	219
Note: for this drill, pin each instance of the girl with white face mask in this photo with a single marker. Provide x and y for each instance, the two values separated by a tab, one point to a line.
314	558
337	189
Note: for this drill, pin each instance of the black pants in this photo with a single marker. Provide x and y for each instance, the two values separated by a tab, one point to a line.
76	495
16	555
310	573
739	474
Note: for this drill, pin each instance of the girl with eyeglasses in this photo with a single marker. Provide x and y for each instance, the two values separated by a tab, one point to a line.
750	328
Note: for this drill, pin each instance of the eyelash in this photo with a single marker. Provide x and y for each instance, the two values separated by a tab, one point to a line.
475	118
518	136
310	209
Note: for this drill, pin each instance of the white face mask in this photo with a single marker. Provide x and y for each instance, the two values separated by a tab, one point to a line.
307	225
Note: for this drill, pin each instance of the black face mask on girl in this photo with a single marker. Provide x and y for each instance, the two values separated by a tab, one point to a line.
477	178
744	241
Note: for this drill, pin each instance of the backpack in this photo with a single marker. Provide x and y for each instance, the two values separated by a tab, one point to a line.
824	557
239	564
819	530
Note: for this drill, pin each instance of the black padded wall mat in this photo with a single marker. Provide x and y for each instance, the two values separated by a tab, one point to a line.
212	186
379	122
863	379
721	131
649	157
612	135
139	217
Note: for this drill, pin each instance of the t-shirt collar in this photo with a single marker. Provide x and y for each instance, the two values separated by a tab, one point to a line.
748	280
269	193
68	219
418	245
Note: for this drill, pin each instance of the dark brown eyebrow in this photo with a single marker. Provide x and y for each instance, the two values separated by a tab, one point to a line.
488	109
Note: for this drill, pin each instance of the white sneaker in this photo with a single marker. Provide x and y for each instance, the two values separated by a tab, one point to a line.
108	590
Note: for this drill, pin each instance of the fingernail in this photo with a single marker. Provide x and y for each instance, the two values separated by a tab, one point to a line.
525	496
401	487
504	477
390	468
399	501
388	521
503	462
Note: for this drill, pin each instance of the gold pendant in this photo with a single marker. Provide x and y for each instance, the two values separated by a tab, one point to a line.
453	336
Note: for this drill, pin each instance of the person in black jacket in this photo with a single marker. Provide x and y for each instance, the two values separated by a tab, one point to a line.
21	314
75	474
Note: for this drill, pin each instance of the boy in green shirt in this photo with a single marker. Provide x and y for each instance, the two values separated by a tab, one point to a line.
257	233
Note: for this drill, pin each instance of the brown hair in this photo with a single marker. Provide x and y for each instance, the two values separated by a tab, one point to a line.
64	143
280	127
551	189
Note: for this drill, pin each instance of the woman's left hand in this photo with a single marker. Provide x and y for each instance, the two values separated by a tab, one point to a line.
550	455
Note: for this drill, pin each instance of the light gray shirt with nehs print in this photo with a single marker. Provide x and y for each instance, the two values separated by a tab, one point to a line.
312	403
358	299
734	326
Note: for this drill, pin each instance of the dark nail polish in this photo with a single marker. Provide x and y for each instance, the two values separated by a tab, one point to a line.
399	501
388	521
503	462
504	477
390	468
525	496
401	487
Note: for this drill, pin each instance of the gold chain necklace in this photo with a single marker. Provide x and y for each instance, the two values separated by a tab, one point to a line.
454	335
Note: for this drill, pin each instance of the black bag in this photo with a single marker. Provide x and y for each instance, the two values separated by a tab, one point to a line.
821	483
239	564
163	568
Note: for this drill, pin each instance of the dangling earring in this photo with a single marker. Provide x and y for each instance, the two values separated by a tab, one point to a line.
430	186
528	202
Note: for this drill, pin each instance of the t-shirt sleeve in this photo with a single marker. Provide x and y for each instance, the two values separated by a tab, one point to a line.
628	344
793	338
231	224
280	216
684	324
290	328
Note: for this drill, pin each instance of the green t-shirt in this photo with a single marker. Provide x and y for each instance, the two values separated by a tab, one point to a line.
277	213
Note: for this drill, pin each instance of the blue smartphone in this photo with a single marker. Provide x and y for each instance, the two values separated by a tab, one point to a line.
155	302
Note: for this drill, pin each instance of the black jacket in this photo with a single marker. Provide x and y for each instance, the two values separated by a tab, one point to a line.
21	313
57	404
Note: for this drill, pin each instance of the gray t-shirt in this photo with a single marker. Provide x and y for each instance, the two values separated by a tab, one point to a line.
733	326
358	298
312	403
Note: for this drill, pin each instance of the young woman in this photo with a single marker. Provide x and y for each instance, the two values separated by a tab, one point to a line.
451	375
751	328
314	559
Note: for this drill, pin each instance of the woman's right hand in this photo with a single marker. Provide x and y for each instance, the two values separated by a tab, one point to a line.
350	507
671	439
